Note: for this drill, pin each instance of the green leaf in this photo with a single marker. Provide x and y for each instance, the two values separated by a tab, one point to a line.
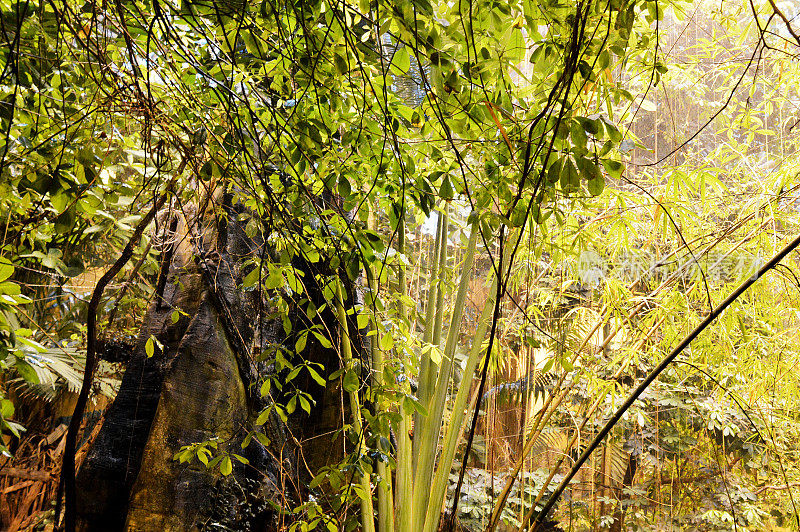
322	339
614	168
26	371
344	187
613	133
596	186
251	278
294	373
149	347
554	171
316	376
446	190
214	463
603	60
262	439
570	178
30	342
6	408
578	134
433	353
226	467
304	404
6	269
518	214
281	411
263	416
318	480
59	202
401	61
588	169
340	63
387	342
203	455
410	404
350	381
274	279
300	345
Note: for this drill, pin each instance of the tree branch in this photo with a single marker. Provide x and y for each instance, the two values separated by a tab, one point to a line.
551	501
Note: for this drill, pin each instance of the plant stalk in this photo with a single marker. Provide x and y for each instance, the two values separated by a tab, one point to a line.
403	491
384	484
430	307
454	429
429	434
367	519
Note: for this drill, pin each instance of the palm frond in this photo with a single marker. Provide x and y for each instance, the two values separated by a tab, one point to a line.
57	368
615	463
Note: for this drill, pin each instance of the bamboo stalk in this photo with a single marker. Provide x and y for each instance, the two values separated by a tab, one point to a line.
436	337
384	484
403	493
367	519
665	362
425	437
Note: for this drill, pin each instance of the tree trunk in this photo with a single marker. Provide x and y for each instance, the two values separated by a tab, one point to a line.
204	384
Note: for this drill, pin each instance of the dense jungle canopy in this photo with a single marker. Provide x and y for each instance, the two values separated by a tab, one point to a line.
399	265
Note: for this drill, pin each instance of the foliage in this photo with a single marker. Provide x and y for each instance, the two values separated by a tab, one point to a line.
345	132
483	487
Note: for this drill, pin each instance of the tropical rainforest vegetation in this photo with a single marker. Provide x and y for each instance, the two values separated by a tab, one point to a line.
399	265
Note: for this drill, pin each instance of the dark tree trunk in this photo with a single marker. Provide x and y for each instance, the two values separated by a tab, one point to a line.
205	385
